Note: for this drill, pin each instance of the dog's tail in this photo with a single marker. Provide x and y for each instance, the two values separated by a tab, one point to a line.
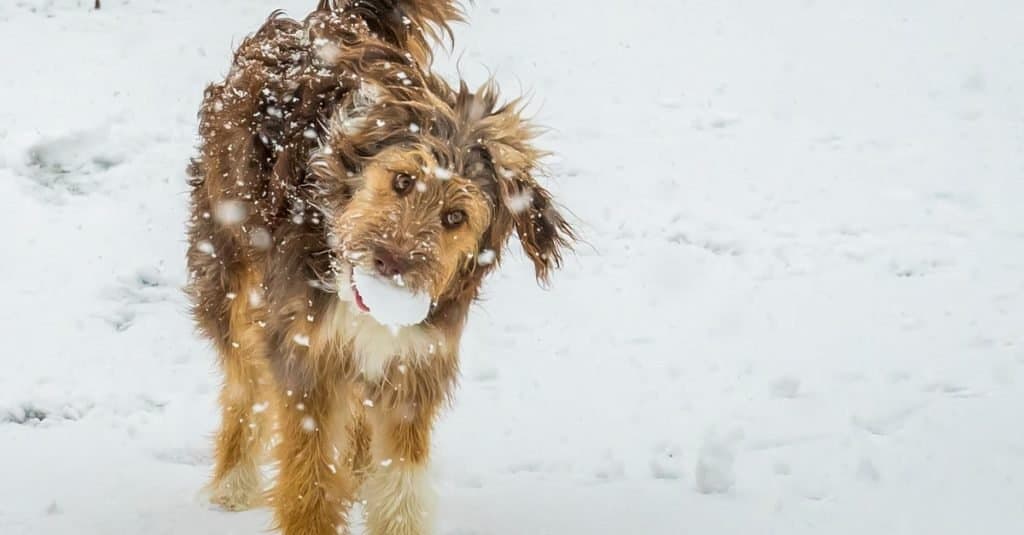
409	24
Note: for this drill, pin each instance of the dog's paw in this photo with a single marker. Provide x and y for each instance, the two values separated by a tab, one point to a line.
238	490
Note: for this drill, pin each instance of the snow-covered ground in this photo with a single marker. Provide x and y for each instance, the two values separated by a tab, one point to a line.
799	310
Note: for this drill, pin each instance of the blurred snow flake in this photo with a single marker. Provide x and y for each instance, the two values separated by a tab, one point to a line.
256	297
206	247
486	257
327	52
230	213
260	238
519	202
441	173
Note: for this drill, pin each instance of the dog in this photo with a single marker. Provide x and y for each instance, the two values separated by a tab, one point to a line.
329	147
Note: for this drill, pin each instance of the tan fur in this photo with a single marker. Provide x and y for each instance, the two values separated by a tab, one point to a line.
247	410
295	186
373	345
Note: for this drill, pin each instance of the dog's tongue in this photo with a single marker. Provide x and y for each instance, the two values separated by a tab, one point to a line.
388	303
359	299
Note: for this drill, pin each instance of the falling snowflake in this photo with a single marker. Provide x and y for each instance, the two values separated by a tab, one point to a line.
256	297
327	52
486	257
519	202
260	238
442	173
230	213
206	247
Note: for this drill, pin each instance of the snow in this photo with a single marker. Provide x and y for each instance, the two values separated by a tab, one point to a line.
390	303
230	213
797	309
519	202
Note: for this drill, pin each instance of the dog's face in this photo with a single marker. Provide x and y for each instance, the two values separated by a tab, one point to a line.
426	189
412	221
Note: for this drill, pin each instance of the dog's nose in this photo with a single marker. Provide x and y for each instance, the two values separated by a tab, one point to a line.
388	264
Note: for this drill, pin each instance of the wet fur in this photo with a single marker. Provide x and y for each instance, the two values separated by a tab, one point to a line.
289	192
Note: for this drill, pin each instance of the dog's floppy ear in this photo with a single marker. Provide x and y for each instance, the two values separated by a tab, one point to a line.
542	230
504	139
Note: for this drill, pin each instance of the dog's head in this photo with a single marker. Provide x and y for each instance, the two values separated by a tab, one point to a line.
424	184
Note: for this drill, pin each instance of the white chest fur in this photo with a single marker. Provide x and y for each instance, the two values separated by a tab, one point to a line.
374	345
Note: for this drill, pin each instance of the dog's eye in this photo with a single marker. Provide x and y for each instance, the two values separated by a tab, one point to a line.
402	183
453	219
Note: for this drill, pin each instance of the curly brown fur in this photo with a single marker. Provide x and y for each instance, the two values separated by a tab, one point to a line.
303	148
408	24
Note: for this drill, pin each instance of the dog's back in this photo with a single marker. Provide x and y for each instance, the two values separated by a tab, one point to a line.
259	125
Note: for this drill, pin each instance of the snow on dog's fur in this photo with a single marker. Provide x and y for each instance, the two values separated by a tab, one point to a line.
331	146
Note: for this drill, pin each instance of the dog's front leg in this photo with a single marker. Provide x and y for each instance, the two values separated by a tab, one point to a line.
399	497
315	486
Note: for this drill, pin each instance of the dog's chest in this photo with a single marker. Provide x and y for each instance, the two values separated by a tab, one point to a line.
375	346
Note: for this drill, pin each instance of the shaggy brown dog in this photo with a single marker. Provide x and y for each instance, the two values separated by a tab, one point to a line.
330	146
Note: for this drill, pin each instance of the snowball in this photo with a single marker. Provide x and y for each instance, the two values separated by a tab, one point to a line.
667	462
715	471
390	304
